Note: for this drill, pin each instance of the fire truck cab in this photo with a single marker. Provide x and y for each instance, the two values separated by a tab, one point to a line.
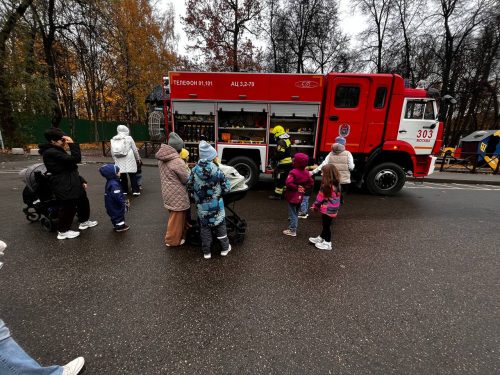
390	130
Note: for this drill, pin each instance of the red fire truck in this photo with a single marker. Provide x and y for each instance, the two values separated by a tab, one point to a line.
390	130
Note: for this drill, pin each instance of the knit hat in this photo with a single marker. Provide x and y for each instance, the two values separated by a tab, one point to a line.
340	140
53	134
207	151
175	141
184	154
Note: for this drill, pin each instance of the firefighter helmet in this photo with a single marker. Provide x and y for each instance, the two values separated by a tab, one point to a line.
278	130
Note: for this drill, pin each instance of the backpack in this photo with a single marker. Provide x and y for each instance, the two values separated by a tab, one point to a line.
119	147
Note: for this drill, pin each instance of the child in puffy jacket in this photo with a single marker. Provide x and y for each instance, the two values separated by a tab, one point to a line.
114	199
207	184
297	182
327	203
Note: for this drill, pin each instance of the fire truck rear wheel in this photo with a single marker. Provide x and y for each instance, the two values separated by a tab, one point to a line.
385	179
247	168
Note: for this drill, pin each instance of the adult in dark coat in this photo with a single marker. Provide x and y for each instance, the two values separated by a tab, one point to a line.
65	182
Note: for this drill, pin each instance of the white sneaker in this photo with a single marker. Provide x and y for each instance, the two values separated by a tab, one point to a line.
207	256
136	194
315	239
324	245
289	232
67	234
87	224
74	367
224	253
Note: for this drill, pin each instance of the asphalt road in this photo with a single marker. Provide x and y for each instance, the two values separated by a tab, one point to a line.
412	287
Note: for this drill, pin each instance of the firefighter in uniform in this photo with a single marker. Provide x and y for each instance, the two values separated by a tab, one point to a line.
281	161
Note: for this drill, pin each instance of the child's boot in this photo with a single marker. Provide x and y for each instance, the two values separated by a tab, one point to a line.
225	252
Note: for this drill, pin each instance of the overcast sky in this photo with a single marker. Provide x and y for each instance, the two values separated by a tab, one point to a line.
350	24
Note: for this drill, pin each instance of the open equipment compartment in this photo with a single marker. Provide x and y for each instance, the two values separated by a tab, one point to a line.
300	121
194	122
242	123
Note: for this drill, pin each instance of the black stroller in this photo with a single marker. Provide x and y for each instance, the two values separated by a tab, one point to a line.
236	226
40	203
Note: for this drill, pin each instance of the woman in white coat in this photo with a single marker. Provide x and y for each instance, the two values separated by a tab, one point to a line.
127	162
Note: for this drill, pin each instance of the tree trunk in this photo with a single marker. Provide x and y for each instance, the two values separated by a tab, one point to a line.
51	71
7	122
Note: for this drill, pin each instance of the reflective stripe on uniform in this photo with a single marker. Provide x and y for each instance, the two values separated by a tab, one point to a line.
287	160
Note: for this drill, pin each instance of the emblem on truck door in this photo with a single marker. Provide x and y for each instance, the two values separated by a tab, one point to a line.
306	84
344	130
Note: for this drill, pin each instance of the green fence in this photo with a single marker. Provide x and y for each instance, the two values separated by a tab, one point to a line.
83	131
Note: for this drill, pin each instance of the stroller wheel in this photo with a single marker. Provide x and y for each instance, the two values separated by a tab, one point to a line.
47	224
31	214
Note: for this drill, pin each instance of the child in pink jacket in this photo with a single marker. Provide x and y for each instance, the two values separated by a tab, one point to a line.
297	182
327	203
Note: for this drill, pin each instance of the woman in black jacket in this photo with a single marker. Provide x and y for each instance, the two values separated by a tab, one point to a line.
65	182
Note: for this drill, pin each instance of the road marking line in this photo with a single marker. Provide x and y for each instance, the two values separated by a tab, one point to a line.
453	186
464	186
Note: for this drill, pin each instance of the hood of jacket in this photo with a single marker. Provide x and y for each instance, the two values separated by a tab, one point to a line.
122	130
300	160
47	146
109	171
166	153
337	148
206	169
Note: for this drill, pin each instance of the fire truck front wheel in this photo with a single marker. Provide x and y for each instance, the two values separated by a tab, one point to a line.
247	168
385	179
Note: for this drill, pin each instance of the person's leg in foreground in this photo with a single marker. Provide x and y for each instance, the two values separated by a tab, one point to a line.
15	361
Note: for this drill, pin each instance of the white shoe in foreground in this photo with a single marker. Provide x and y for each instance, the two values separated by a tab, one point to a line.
224	253
315	240
67	234
207	256
87	224
74	367
324	245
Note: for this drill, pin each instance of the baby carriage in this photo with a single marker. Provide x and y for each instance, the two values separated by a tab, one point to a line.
236	226
40	203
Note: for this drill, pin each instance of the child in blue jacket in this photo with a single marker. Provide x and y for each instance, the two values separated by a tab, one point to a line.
114	199
207	184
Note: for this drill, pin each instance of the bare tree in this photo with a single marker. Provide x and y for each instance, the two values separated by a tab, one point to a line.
407	20
218	28
459	20
7	26
379	12
328	49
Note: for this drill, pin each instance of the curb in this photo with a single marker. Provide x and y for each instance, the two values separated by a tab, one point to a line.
453	181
